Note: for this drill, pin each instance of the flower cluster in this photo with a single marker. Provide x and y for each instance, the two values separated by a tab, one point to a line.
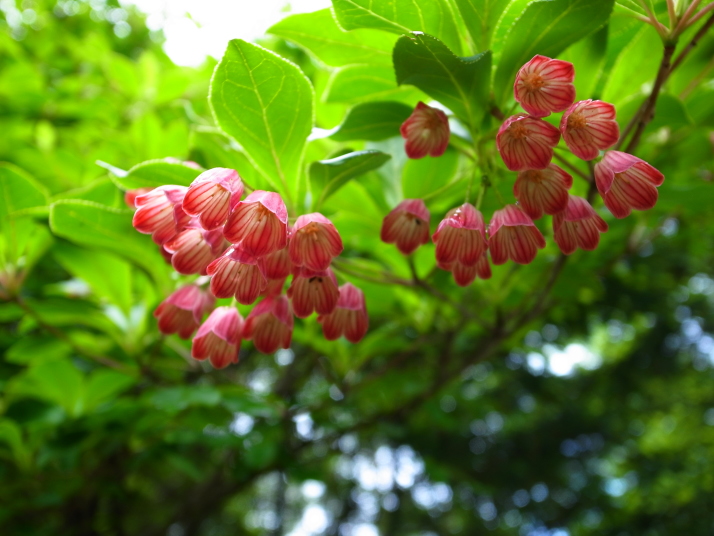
526	143
248	249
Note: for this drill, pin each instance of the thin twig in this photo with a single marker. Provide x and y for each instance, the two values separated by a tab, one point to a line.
571	167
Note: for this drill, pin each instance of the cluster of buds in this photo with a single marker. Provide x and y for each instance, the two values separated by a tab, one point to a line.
248	249
526	143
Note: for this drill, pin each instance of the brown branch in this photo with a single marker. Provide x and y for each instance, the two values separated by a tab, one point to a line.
693	43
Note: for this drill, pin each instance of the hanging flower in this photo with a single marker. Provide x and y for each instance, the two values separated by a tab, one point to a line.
407	226
193	249
258	224
542	190
626	182
588	127
426	132
159	212
277	265
236	273
464	275
314	242
461	236
578	226
544	85
526	142
212	195
182	311
349	318
313	291
270	325
218	338
513	235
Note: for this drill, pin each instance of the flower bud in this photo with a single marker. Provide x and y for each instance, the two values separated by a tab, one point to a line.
193	249
314	242
407	226
588	127
542	190
578	226
182	311
349	318
544	85
526	142
513	235
313	291
218	338
212	195
258	224
270	325
236	273
426	132
461	236
626	182
159	212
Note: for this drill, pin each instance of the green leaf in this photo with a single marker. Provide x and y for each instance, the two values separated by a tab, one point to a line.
11	435
547	27
102	191
103	385
400	16
30	350
357	83
265	103
107	274
331	44
461	84
18	193
155	173
57	381
422	178
480	17
93	225
328	176
372	121
588	56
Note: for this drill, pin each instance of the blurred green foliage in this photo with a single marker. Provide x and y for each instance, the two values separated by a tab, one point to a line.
463	411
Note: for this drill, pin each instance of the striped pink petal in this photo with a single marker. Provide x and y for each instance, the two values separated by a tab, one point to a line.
349	318
314	242
461	236
544	85
259	224
579	226
526	142
218	339
513	235
270	325
407	226
313	291
426	132
542	190
588	127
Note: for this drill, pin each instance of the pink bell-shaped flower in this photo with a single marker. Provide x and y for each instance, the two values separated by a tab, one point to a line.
277	265
461	236
578	226
258	224
588	127
182	311
426	132
542	190
193	249
270	325
626	182
544	85
465	275
407	226
526	142
313	291
212	195
159	212
236	273
131	195
349	318
314	242
218	338
513	235
274	287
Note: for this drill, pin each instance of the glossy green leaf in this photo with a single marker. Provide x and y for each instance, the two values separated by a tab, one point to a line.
265	103
107	274
400	16
372	121
331	44
426	176
461	84
154	173
103	385
357	83
11	436
93	225
547	27
103	191
480	18
57	381
328	176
